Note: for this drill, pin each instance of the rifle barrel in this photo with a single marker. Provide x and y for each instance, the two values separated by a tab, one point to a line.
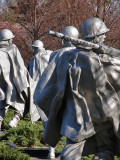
74	40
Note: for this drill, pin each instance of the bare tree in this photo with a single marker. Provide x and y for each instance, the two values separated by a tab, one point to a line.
101	9
36	17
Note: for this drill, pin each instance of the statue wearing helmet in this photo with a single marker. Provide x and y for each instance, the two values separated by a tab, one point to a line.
38	48
38	44
39	61
94	30
6	36
36	67
14	82
69	31
79	106
93	27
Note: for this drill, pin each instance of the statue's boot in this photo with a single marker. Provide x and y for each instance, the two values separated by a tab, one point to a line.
14	121
2	115
1	124
106	155
51	154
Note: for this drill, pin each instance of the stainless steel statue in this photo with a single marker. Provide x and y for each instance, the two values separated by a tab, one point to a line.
13	78
82	102
111	63
94	30
39	61
36	66
69	31
86	43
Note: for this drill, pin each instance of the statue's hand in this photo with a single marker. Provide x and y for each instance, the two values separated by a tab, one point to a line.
100	50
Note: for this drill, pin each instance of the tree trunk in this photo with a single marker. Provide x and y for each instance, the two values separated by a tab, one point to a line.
101	9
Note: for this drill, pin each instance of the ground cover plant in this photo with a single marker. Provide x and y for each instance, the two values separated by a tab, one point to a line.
26	135
8	153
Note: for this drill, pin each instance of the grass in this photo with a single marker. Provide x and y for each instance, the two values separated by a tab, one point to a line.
26	134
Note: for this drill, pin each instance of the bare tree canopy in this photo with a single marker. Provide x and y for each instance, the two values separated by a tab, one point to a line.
36	17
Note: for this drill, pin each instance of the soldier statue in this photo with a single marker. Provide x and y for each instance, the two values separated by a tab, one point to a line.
13	79
96	34
39	61
82	102
111	64
36	67
66	44
70	31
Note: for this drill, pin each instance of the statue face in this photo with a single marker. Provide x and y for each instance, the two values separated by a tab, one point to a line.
62	42
100	39
35	50
10	41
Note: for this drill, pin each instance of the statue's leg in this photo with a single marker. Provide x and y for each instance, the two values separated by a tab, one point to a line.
1	123
106	155
6	109
105	141
2	115
72	150
51	154
18	115
15	120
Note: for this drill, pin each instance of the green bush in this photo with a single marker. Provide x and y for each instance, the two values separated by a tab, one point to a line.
7	119
26	134
60	145
8	153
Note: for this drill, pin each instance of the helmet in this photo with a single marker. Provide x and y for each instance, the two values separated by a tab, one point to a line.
93	27
38	44
6	34
70	31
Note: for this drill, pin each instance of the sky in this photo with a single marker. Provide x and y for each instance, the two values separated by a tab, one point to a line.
2	1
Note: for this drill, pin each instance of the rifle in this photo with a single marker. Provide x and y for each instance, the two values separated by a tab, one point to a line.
102	48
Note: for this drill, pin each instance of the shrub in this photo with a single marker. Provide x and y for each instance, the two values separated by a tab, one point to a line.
26	134
8	153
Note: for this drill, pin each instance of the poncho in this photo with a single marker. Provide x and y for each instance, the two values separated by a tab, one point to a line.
76	96
13	78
